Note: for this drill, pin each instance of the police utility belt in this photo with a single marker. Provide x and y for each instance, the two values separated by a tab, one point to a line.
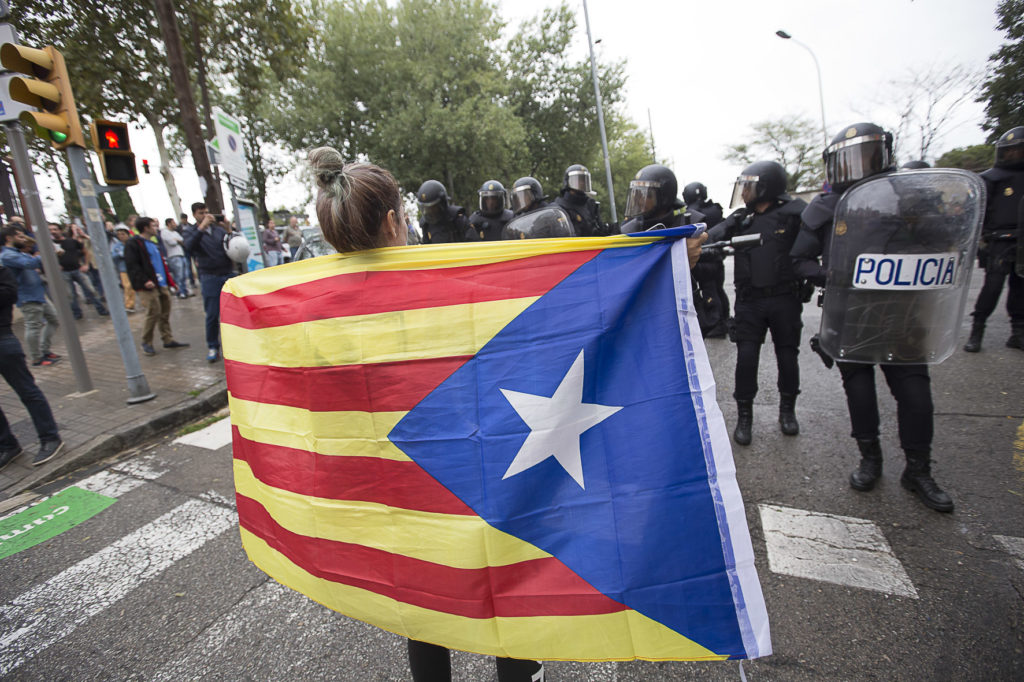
747	292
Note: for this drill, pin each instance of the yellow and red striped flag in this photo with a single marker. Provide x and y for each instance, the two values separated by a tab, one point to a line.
509	448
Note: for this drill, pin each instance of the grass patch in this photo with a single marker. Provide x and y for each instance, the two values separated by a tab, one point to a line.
202	424
194	392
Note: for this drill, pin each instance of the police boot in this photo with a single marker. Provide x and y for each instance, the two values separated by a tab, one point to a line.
870	469
973	344
744	421
1016	339
787	415
917	478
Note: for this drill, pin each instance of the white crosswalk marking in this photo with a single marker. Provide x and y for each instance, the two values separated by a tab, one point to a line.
124	477
835	549
213	437
1015	546
51	611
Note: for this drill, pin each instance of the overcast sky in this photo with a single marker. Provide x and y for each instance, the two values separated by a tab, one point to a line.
708	70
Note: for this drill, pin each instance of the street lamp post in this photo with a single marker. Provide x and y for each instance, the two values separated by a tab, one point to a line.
821	93
600	115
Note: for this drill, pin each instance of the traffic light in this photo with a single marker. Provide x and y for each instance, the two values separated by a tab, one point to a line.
117	161
48	90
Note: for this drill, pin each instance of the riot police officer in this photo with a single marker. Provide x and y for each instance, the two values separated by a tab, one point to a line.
576	198
653	202
709	273
527	196
858	152
999	236
440	221
767	290
486	223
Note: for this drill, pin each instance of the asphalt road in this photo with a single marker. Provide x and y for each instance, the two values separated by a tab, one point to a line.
156	586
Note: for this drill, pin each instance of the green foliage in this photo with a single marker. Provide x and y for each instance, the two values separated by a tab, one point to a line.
793	141
977	157
1003	89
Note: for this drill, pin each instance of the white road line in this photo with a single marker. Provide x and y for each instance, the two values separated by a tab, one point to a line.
835	549
53	610
213	437
1015	546
124	477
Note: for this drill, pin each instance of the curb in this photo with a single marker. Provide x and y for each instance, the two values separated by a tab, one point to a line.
212	399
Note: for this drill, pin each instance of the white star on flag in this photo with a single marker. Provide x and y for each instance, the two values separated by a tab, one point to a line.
556	424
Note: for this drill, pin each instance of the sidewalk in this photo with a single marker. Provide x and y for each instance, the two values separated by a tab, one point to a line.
100	423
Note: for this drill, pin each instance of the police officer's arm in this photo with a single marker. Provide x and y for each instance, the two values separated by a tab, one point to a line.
805	254
727	228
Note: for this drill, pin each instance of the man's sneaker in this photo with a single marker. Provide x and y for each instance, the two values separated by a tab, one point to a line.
45	362
51	356
129	310
212	355
148	349
8	456
175	344
103	312
47	451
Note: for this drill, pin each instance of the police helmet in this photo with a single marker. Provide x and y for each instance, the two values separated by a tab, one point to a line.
549	222
237	248
525	193
432	198
695	193
915	165
760	181
652	193
492	198
1010	149
859	151
577	178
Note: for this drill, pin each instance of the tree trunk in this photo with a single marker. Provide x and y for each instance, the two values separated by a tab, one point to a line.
204	92
183	91
165	163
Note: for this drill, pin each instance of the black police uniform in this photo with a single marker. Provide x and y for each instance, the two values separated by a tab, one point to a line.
767	294
709	274
998	253
452	227
583	211
487	228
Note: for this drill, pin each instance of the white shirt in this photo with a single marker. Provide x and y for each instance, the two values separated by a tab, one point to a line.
172	242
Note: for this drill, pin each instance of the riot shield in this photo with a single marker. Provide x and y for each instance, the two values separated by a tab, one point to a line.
550	221
1020	240
899	266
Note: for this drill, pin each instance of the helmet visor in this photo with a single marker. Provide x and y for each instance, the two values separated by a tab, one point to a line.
522	198
848	161
546	223
433	211
1010	155
744	192
492	202
579	180
642	199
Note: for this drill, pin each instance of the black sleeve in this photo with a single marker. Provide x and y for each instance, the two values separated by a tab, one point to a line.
8	287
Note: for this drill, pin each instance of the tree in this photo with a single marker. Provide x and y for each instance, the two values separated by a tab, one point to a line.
975	158
1003	89
792	141
927	103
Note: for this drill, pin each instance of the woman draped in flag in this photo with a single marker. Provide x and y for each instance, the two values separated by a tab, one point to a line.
359	207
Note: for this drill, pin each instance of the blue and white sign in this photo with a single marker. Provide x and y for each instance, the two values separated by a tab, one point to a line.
905	272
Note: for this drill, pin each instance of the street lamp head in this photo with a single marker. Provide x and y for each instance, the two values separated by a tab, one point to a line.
782	34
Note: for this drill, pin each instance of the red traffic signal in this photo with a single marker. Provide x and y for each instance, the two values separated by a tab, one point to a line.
117	162
111	136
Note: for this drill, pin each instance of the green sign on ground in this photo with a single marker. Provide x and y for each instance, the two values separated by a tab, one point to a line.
49	518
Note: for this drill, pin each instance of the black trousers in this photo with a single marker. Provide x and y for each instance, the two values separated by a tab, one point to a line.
1000	268
910	386
430	663
754	318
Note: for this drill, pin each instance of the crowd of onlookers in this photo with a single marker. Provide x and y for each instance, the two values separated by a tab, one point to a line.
154	263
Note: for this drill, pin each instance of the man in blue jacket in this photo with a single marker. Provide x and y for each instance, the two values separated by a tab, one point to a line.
40	316
204	240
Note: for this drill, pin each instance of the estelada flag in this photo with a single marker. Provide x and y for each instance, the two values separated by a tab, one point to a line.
509	448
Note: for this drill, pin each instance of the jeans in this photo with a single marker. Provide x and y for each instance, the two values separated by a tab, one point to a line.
17	374
40	323
274	258
71	277
210	286
179	267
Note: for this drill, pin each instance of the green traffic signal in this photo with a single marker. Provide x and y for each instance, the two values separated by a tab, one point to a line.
59	138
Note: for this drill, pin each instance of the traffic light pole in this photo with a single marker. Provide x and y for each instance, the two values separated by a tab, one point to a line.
138	387
59	292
